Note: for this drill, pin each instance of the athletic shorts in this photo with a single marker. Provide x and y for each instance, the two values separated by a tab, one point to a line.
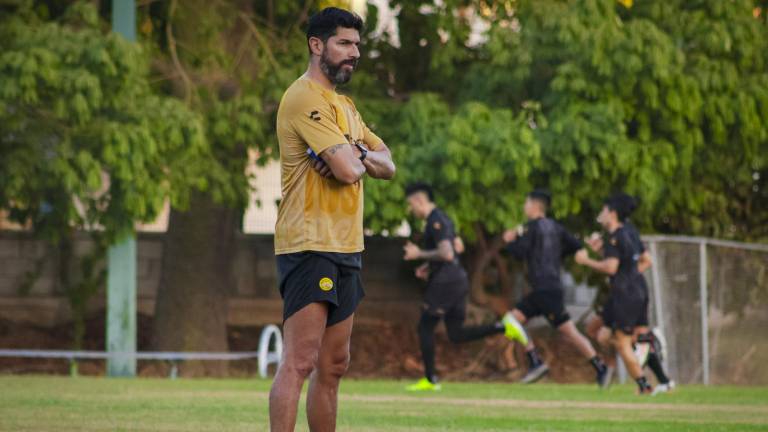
454	312
548	303
447	299
625	314
312	277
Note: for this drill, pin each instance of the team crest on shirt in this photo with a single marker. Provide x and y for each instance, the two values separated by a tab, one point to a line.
437	225
613	241
326	284
315	115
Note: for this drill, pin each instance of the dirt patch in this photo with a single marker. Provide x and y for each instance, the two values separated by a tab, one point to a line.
379	350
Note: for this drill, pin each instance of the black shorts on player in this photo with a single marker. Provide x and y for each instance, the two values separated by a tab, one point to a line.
311	277
625	314
543	244
627	306
546	303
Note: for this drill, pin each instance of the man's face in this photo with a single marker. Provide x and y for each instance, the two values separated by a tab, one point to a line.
605	217
529	208
340	55
417	204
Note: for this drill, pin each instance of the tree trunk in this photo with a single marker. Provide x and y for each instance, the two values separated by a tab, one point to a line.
486	252
191	308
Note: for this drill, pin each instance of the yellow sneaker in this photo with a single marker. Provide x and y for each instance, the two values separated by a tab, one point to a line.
424	385
513	330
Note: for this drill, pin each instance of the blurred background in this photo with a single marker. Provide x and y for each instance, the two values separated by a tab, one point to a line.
147	127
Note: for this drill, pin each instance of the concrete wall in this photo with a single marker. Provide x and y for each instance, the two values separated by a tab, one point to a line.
392	292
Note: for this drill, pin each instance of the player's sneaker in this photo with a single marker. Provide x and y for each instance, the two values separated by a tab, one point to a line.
513	330
424	385
535	374
605	377
663	388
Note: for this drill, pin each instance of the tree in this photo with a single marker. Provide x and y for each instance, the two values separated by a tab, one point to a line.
229	62
85	144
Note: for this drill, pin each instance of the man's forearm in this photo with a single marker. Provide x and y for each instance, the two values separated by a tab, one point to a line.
379	164
433	255
601	266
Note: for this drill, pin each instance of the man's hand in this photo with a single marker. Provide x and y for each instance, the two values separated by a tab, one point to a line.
581	257
412	252
322	168
378	163
509	235
458	245
422	271
595	242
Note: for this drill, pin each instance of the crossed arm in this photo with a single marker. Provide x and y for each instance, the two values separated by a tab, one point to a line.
342	162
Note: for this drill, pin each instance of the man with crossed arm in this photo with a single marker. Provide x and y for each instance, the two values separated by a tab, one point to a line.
319	230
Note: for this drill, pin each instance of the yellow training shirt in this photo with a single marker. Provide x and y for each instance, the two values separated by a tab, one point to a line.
315	213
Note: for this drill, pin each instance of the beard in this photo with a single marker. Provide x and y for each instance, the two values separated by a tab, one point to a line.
334	71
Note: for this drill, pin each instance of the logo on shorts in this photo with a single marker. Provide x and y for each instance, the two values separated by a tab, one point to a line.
326	284
437	225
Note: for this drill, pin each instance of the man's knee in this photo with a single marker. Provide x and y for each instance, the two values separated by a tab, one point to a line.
335	365
454	332
519	316
604	337
567	328
301	363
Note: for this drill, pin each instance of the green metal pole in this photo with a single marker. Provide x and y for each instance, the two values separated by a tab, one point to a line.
121	267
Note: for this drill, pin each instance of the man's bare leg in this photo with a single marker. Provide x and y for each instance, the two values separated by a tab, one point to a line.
333	362
302	339
569	331
624	347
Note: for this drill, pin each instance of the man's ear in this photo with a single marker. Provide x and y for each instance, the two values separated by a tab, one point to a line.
316	45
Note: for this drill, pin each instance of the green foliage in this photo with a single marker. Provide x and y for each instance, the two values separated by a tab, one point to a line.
665	99
85	142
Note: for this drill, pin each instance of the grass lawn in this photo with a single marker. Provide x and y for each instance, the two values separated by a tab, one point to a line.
44	403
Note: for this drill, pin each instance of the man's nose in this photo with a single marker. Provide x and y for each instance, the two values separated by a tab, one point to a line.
355	52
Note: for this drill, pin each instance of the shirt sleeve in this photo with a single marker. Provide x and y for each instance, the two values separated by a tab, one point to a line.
441	229
522	244
371	139
314	120
571	244
611	247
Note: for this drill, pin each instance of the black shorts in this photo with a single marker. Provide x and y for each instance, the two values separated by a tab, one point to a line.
625	314
548	303
455	311
311	277
447	298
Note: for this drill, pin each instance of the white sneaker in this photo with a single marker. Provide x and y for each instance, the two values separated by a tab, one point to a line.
663	388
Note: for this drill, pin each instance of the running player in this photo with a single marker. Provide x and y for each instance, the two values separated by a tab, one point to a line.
648	342
447	285
319	230
543	243
627	306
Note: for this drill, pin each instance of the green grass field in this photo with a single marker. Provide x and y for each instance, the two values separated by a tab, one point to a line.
98	404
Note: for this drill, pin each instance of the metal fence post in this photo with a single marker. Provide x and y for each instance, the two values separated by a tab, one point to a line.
121	267
657	293
704	303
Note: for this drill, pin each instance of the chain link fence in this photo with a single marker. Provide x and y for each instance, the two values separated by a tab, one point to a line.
709	298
